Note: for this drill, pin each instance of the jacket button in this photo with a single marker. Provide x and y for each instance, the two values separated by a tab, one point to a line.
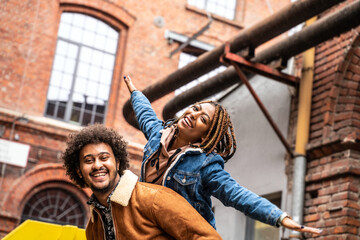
168	178
184	180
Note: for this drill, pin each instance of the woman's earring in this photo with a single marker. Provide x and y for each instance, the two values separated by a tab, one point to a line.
176	132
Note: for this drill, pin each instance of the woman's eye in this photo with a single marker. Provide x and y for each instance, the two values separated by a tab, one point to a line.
195	108
203	119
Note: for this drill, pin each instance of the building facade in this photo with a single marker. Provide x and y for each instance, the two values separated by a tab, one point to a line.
62	64
61	68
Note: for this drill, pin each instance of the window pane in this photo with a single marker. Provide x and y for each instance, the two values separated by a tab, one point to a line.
53	93
99	119
111	45
75	115
76	34
66	18
72	51
56	78
197	3
88	38
85	54
103	92
112	34
86	119
61	48
91	88
80	85
59	62
108	61
106	77
102	28
61	111
100	108
64	30
69	65
97	58
78	100
66	81
79	20
83	70
94	74
90	23
50	108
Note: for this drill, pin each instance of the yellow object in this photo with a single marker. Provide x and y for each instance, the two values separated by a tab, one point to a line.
34	230
305	94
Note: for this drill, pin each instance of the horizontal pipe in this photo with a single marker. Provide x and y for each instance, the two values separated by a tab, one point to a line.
253	37
322	30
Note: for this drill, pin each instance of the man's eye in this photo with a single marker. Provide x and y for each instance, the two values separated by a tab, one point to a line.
195	108
88	160
104	158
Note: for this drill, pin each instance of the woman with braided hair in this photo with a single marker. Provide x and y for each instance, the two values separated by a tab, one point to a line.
188	156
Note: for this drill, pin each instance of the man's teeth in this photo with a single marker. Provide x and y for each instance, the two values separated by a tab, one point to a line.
99	174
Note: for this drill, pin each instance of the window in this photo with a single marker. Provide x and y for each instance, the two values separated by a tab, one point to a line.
186	58
224	8
256	230
55	205
82	70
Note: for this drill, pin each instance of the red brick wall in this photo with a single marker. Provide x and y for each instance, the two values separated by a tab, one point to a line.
333	171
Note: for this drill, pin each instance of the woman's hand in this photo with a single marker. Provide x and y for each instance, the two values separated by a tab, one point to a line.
291	224
129	83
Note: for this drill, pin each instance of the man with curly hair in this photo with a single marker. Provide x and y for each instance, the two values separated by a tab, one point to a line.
120	206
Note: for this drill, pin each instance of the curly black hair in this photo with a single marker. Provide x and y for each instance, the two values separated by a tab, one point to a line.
93	134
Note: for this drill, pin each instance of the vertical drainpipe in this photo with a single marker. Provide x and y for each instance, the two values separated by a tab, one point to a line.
302	135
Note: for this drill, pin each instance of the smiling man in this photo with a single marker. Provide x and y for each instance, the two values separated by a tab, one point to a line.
121	207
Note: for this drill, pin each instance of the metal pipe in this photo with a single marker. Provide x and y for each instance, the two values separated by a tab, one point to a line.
302	135
252	37
322	30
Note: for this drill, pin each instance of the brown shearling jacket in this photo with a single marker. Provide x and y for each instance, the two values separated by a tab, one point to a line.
148	211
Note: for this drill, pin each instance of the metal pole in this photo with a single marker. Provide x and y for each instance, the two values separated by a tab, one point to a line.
263	109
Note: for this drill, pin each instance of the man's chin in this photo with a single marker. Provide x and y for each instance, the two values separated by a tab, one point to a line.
103	189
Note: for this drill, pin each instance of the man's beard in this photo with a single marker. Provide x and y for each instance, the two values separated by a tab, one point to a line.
107	188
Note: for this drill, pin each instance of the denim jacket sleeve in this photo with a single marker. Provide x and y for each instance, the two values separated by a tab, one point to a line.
144	113
230	193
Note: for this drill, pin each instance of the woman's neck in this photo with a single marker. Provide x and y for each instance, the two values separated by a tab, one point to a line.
177	143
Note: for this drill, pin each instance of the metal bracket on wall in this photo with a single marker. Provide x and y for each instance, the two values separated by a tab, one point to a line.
240	63
193	37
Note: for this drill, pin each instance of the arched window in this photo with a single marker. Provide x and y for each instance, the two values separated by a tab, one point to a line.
55	205
82	70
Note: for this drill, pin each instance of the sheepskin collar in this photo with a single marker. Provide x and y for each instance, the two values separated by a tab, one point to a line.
122	192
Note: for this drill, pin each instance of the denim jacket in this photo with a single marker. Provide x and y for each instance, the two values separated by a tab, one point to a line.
197	176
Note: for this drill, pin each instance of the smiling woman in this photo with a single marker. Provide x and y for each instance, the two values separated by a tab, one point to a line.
188	156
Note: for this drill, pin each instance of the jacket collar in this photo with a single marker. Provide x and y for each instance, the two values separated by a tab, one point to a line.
122	192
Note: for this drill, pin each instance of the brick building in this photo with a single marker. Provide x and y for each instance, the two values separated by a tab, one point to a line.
61	67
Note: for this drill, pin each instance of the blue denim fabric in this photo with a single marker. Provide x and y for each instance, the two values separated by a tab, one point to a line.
196	176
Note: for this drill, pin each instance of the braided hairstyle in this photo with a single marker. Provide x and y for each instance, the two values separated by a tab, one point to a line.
221	136
93	134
